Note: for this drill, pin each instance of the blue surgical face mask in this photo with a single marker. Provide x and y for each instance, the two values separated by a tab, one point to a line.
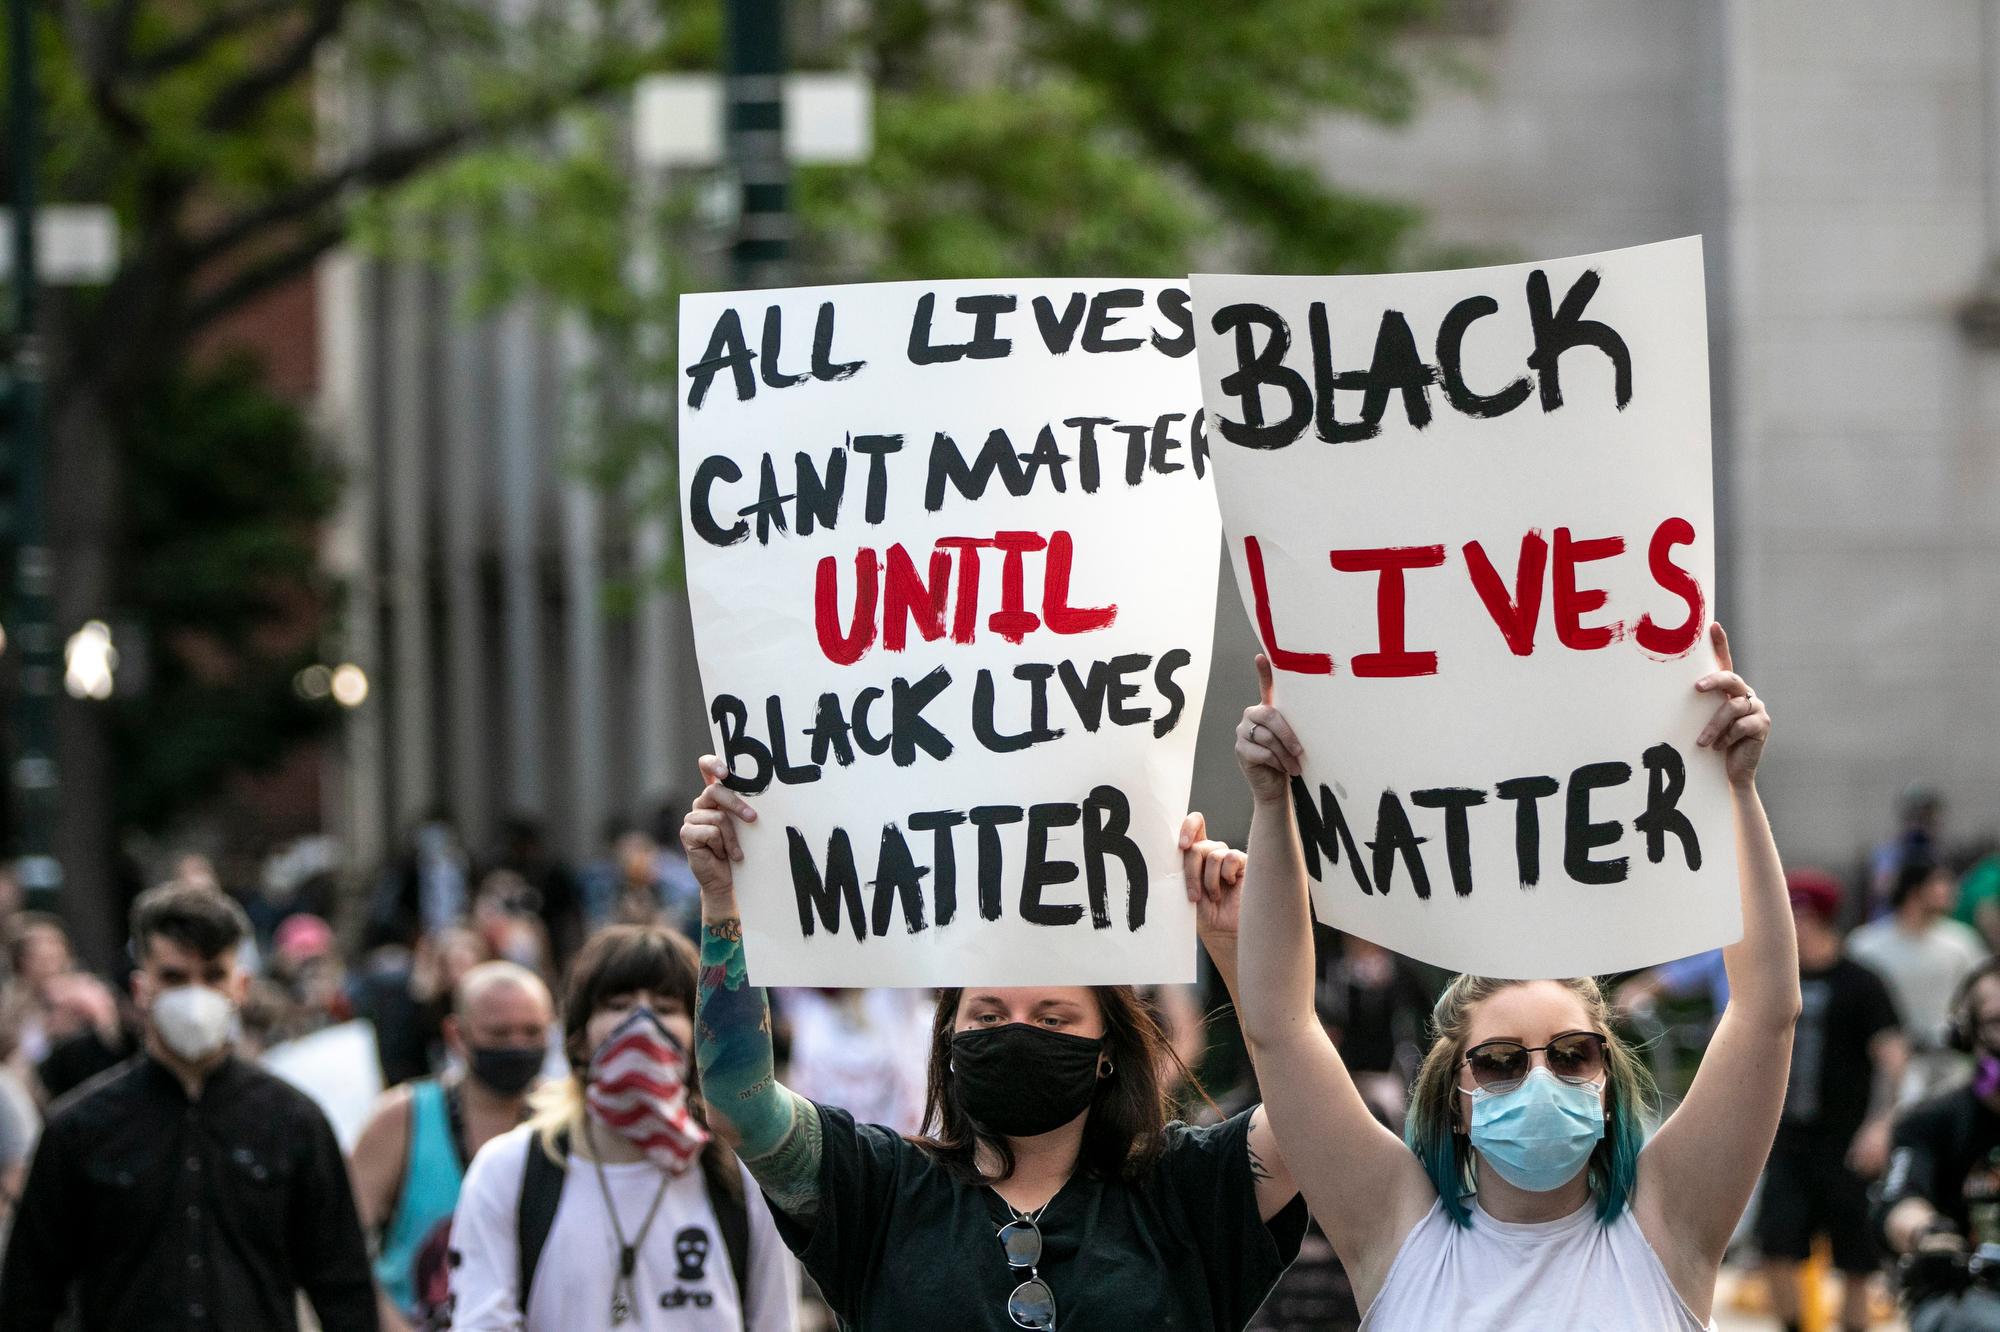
1540	1134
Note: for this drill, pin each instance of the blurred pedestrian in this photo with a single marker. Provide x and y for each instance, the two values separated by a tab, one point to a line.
680	891
634	885
188	1188
380	991
614	1207
411	1158
1941	1195
305	959
1848	1054
1373	1006
1924	956
424	890
38	951
558	899
442	961
1979	898
94	1032
1918	839
20	1126
861	1050
507	916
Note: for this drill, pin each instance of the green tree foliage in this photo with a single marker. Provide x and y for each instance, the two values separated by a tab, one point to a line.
225	488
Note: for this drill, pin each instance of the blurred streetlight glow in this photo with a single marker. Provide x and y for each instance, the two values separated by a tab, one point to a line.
314	683
89	662
349	685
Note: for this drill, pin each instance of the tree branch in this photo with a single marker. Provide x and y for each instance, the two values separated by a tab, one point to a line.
99	47
196	41
391	163
253	280
240	99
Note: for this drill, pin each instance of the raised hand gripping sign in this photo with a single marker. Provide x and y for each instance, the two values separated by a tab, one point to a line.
1470	513
951	563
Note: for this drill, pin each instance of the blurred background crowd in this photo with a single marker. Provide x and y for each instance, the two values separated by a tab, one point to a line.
1918	912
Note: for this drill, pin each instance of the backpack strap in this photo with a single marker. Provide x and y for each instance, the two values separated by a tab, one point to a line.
541	1191
732	1215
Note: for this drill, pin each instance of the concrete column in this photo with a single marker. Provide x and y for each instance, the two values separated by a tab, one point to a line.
517	435
346	315
464	498
405	455
658	676
586	688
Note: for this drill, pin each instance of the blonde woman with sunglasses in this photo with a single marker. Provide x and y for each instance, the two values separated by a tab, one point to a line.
1526	1195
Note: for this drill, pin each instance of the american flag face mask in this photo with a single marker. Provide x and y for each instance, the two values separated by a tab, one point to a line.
638	1086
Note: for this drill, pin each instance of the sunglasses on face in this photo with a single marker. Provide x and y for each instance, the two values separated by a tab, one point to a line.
1033	1304
1501	1066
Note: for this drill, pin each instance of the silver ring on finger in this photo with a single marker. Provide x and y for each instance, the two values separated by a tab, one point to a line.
1255	730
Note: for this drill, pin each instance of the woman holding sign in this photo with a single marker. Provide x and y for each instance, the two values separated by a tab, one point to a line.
1048	1190
1527	1195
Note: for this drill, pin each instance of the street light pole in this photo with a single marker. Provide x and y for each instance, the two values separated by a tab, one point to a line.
33	772
754	110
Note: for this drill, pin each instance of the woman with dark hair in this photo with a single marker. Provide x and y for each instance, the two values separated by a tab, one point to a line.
1527	1194
1048	1189
614	1207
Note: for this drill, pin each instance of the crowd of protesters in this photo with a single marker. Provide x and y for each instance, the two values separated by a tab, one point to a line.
501	991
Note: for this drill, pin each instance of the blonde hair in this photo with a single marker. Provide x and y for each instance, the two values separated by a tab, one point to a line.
1431	1127
556	1113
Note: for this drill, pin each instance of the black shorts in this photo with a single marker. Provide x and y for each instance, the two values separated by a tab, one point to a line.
1809	1191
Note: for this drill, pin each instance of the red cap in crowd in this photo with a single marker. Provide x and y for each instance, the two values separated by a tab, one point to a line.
1814	890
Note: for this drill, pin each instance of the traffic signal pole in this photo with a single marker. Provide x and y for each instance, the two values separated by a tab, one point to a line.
754	106
30	627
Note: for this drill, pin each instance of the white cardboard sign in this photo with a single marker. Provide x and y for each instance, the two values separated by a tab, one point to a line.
1470	513
951	565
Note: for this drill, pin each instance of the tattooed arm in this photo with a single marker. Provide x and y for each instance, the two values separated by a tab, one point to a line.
776	1131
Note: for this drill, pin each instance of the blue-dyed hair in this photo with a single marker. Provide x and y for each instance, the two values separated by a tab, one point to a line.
1432	1131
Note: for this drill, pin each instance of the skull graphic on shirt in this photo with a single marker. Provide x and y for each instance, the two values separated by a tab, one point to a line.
690	1253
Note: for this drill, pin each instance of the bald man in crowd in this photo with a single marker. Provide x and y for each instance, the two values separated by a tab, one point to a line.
412	1155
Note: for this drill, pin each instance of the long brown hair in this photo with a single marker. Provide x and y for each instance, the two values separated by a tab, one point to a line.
624	959
1432	1130
1128	1113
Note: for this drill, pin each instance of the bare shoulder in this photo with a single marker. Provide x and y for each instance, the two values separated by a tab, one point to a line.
388	1123
1690	1270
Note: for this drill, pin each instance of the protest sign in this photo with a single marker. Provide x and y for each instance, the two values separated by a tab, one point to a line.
338	1067
1470	514
951	561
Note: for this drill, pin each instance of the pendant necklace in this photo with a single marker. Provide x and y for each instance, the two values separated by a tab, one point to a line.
623	1299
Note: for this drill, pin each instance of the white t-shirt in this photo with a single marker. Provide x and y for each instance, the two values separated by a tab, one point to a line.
1923	971
866	1051
1573	1273
683	1282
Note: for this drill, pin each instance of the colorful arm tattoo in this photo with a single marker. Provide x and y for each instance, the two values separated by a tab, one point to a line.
779	1130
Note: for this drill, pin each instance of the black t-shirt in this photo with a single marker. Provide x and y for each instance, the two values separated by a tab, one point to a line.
1947	1152
1844	1008
898	1243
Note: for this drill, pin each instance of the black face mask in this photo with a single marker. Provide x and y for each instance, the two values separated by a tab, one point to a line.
505	1069
1018	1081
